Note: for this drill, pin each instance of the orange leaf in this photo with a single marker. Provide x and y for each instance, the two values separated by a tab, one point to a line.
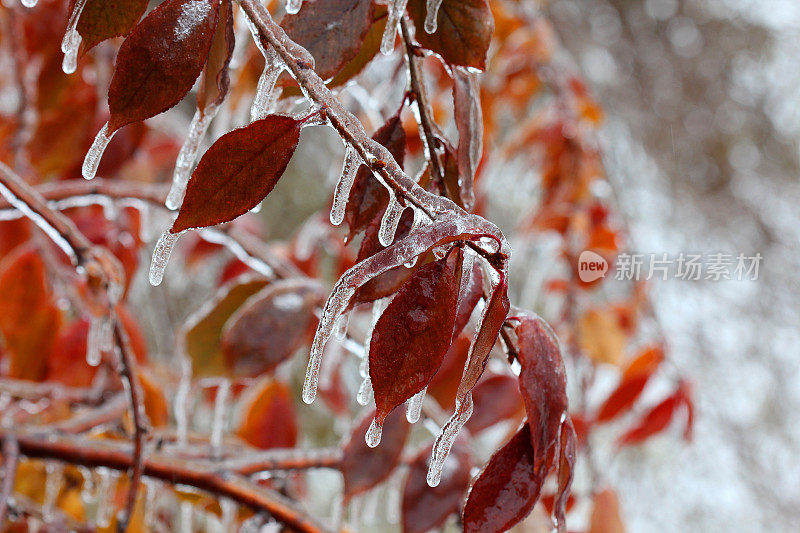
605	516
269	419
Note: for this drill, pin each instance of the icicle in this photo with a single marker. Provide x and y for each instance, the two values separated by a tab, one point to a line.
70	63
29	3
365	389
396	10
364	394
186	517
390	220
341	326
432	15
99	339
257	208
414	406
188	155
72	39
373	436
161	255
266	92
92	159
444	442
293	6
228	515
105	494
466	273
54	478
469	122
218	424
181	406
352	162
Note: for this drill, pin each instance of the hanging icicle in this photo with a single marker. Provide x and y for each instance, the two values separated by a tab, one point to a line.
72	39
352	162
95	153
188	155
414	406
444	442
390	220
161	255
396	10
432	15
293	6
218	422
29	3
373	436
267	93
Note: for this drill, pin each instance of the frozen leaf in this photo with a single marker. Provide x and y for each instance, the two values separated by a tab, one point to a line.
203	330
238	171
332	30
103	19
464	31
268	419
507	488
496	399
426	508
216	79
469	297
564	474
270	326
444	385
413	334
29	318
605	517
160	60
364	467
370	46
367	196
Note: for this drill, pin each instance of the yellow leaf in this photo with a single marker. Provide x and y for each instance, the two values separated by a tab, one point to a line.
601	337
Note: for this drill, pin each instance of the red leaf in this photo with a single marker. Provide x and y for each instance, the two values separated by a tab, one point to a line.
507	488
103	19
496	399
215	81
471	298
67	362
29	318
364	467
160	60
645	363
412	336
566	466
367	196
269	327
332	30
269	420
654	421
426	508
623	397
444	385
238	171
155	401
605	516
464	31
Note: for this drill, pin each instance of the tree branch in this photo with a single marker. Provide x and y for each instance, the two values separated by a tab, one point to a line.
10	459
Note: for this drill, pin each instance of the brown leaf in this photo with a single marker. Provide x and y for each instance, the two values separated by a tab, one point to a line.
426	508
203	330
160	60
496	399
29	317
103	19
463	34
238	171
332	30
364	467
444	385
269	327
269	420
412	336
215	81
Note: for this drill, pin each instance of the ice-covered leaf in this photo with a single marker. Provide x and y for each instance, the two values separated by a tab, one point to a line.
444	385
464	31
507	488
160	60
268	419
332	30
496	399
412	336
203	330
426	508
564	474
469	298
371	43
29	317
367	196
103	19
364	467
238	171
216	79
270	326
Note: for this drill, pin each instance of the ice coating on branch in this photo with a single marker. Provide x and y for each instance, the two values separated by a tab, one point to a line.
29	3
92	159
341	325
444	442
446	228
161	255
352	162
414	406
373	435
469	122
98	339
37	219
188	154
390	220
293	6
217	237
72	39
431	15
266	92
218	422
297	52
396	10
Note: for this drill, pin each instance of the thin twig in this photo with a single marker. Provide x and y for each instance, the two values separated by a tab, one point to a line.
29	390
285	459
10	458
110	411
